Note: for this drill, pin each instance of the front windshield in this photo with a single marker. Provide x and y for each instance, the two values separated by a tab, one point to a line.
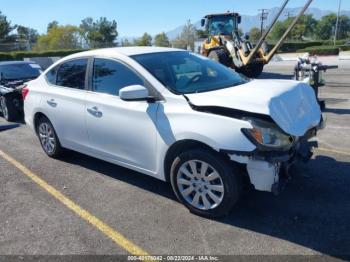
186	73
221	25
19	71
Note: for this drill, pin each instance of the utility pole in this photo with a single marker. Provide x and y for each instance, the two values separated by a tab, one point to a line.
337	25
289	14
263	16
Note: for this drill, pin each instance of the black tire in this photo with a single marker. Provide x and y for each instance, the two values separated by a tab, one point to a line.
221	56
57	149
230	179
252	71
8	109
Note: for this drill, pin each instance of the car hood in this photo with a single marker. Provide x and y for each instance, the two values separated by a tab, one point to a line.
291	104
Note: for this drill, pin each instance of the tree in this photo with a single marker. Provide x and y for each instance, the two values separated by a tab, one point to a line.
189	34
5	28
254	34
99	33
145	40
27	34
51	25
161	40
60	37
326	27
202	33
125	42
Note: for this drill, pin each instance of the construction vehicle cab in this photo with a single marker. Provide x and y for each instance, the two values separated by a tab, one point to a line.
226	46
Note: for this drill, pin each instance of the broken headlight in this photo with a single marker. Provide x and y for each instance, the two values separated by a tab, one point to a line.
267	135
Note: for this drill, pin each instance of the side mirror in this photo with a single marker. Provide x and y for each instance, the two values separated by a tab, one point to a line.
203	22
134	93
239	19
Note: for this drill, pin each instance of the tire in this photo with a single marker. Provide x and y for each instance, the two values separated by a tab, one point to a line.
221	178
48	138
251	71
221	56
8	109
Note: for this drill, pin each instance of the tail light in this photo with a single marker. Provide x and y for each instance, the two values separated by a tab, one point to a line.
25	91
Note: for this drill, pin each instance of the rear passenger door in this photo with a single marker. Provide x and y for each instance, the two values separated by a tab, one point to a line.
122	131
65	102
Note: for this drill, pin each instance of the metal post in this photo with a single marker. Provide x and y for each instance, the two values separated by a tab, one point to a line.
337	25
263	17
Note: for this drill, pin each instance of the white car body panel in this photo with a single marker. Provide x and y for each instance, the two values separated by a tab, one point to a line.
138	134
292	105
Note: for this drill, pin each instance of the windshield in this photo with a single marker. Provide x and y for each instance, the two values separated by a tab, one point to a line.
19	71
221	25
186	73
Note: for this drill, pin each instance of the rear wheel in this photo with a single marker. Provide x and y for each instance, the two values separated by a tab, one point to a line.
251	71
8	109
221	56
48	138
205	183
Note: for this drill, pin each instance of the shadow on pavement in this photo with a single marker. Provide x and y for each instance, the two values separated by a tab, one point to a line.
313	212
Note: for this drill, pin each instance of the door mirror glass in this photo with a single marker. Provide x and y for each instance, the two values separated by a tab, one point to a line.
133	93
239	19
203	22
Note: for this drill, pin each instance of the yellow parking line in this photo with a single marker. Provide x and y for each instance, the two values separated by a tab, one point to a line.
334	151
118	238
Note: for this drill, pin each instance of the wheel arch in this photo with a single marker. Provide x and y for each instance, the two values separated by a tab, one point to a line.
37	117
181	146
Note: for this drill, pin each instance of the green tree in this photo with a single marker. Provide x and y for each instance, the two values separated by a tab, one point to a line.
202	33
125	42
60	37
99	33
145	40
51	25
326	27
27	34
254	34
5	28
161	40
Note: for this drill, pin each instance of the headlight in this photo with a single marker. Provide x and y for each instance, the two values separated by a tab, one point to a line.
267	135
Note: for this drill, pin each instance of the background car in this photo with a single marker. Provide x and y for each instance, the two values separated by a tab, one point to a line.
13	75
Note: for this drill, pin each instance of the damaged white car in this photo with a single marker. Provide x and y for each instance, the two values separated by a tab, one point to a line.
176	116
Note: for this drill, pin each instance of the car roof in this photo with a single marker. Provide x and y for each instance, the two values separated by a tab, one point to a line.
16	63
127	51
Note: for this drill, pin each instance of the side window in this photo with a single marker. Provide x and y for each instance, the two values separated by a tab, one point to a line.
72	74
51	76
110	76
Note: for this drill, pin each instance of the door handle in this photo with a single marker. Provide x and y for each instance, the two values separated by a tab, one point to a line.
52	103
95	112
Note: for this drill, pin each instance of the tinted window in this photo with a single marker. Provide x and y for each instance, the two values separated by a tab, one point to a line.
110	76
20	71
184	72
51	76
72	74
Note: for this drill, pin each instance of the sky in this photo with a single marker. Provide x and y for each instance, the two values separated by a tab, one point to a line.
134	17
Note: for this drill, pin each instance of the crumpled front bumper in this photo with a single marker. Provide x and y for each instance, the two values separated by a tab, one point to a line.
268	170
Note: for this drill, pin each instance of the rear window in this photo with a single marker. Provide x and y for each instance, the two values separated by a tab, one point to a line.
72	74
20	71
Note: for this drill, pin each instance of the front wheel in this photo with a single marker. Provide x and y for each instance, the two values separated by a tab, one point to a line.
251	71
205	183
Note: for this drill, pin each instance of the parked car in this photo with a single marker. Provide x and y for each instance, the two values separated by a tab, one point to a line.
12	77
176	116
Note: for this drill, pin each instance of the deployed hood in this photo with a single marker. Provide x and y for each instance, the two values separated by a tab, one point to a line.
291	104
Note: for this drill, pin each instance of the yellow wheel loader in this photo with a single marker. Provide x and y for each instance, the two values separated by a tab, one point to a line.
226	46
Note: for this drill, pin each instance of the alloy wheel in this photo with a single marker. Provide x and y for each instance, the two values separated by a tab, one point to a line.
200	185
47	137
3	107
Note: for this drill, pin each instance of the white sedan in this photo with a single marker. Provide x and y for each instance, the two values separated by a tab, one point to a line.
176	116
